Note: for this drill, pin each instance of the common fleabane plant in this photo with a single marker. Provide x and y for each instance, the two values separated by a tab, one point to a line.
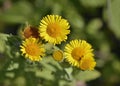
37	51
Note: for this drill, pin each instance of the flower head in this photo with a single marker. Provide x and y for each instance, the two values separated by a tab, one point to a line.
87	63
76	50
58	55
32	49
54	29
30	31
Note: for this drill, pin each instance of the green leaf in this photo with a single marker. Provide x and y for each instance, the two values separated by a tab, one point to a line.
114	16
69	73
45	74
67	83
87	75
13	66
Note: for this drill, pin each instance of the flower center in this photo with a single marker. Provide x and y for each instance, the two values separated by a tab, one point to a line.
53	30
77	53
32	49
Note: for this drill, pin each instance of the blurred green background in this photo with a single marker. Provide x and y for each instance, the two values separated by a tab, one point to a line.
96	21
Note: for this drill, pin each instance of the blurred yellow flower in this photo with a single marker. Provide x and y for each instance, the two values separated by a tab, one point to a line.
54	29
76	50
32	49
87	63
58	55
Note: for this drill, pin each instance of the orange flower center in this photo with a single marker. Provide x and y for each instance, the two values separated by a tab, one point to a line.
54	30
77	53
33	49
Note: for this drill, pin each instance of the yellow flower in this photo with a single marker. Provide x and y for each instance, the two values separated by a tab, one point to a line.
58	55
76	50
87	63
54	29
32	49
